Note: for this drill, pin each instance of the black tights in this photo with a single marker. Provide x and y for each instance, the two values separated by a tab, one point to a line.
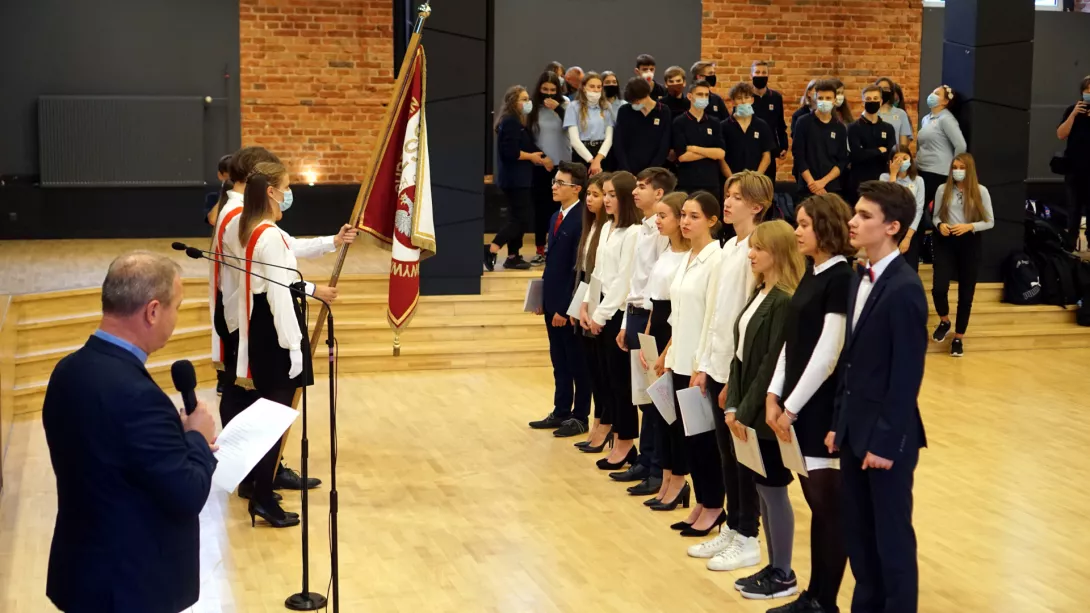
827	556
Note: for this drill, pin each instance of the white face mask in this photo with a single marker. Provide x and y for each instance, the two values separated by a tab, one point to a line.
958	174
648	74
593	97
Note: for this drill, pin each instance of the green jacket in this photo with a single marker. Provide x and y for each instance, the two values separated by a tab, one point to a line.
750	376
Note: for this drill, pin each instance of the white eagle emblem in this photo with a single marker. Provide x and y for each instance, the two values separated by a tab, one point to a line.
403	218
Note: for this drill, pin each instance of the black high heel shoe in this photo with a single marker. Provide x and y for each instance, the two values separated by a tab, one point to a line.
608	441
681	525
604	464
690	531
682	497
271	513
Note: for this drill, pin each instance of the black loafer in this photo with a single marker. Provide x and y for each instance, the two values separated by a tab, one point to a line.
636	472
571	427
288	479
552	421
648	487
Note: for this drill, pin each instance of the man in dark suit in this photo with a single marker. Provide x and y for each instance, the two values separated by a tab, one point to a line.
570	410
132	474
878	427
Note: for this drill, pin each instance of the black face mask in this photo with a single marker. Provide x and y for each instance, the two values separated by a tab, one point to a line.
887	96
872	107
611	91
710	79
559	98
760	82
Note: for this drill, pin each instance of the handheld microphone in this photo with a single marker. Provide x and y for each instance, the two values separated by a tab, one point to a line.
185	381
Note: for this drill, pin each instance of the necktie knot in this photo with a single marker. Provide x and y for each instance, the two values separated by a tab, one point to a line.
866	272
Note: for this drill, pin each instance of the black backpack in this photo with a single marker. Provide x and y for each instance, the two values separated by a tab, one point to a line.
1082	281
1057	275
1042	237
783	207
1021	282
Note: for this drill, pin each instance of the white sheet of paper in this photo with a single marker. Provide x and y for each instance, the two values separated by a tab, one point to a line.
577	300
247	438
535	292
650	351
749	452
696	411
638	378
662	394
791	454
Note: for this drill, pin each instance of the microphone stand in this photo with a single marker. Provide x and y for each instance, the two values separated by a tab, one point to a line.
304	600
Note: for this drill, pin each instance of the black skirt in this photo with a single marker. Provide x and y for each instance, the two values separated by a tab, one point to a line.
269	362
660	326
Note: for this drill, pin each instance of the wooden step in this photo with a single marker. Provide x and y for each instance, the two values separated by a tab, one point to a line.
998	314
513	281
1018	338
65	303
488	353
424	329
58	332
374	307
985	293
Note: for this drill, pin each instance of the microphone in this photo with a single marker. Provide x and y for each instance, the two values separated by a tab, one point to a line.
186	248
185	381
178	246
297	288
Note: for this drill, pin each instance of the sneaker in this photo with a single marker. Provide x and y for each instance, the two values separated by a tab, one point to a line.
758	576
744	552
539	260
957	349
552	421
804	604
721	542
571	427
776	585
489	258
516	263
941	332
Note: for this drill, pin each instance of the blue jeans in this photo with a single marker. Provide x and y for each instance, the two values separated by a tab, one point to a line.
648	458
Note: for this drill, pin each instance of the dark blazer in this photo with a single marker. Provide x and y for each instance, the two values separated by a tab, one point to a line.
513	138
750	377
130	485
881	367
560	256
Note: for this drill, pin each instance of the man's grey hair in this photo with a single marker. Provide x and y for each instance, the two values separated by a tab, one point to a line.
135	279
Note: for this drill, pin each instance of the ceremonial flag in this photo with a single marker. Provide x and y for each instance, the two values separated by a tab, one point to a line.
397	209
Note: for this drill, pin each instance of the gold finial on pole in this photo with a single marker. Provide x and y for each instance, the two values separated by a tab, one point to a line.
423	12
397	343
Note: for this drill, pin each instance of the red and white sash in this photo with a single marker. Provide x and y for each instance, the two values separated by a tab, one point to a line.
218	348
243	375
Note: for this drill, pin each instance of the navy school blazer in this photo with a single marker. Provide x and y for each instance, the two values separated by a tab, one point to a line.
560	257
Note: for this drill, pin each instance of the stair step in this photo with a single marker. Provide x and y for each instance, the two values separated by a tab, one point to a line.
425	329
59	332
443	355
1008	338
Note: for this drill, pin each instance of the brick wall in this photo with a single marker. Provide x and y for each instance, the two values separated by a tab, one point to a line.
855	40
316	76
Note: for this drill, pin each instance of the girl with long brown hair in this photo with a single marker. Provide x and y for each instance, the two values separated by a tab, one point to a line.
594	217
589	121
963	209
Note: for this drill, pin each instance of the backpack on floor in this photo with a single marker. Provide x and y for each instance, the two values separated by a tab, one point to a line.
1021	281
1043	237
1057	277
1082	280
783	207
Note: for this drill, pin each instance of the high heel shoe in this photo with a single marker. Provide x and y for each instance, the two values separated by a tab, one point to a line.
690	531
582	443
271	513
608	441
651	501
681	525
682	497
604	463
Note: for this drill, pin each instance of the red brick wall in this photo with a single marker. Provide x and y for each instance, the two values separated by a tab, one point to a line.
316	76
854	40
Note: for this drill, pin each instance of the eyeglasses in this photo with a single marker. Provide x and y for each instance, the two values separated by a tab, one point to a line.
562	183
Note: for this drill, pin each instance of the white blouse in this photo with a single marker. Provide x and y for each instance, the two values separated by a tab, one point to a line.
743	323
692	298
613	269
662	275
736	284
271	247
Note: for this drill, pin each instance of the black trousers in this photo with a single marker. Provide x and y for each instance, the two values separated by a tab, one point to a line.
593	367
879	537
743	504
704	462
931	183
958	255
1078	204
519	205
615	365
770	172
571	381
544	206
912	256
651	420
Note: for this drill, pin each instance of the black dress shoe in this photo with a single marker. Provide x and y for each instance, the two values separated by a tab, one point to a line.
516	263
608	441
288	479
571	427
272	513
648	486
682	498
489	258
604	463
552	421
246	491
636	472
691	531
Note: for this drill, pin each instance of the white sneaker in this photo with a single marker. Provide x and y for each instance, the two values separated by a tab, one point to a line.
708	549
744	551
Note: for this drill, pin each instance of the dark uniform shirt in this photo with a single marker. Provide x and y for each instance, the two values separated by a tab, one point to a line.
745	149
642	141
769	108
819	147
706	132
678	106
716	107
1078	142
864	140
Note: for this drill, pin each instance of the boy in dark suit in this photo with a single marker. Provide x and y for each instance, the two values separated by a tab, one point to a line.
570	411
878	428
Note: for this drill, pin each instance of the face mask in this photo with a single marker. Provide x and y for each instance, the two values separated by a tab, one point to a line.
825	106
887	96
896	104
760	82
675	90
872	107
839	100
700	103
1086	98
559	99
527	107
285	204
905	165
648	75
612	91
593	97
637	107
932	100
743	110
958	174
710	79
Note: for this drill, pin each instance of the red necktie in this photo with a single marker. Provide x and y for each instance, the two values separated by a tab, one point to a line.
559	220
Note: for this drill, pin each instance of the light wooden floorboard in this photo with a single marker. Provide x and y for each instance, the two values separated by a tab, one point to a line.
450	503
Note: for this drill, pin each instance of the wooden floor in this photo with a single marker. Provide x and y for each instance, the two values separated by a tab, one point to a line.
450	503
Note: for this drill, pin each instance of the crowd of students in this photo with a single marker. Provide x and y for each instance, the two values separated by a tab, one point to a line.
686	128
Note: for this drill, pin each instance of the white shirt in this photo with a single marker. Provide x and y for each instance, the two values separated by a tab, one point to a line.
649	246
743	322
692	299
564	211
865	285
735	286
271	247
662	275
613	269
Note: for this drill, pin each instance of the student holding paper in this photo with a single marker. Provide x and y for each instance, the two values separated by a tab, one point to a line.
670	438
804	385
777	266
594	218
613	271
749	194
692	295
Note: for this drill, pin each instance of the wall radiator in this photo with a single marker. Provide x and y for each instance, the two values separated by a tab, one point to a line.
121	141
